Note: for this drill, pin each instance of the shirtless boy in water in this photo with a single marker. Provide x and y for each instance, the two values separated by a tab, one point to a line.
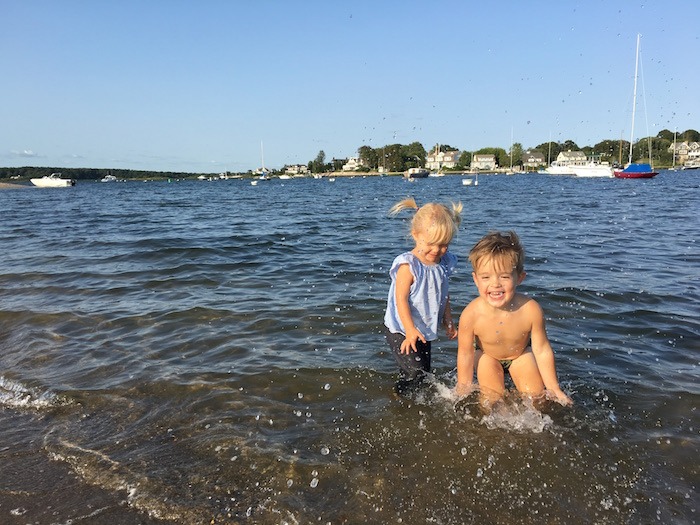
502	330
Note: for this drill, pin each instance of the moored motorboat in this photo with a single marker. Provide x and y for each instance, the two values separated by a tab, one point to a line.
52	181
416	173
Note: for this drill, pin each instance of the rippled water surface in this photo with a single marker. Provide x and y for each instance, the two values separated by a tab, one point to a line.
213	352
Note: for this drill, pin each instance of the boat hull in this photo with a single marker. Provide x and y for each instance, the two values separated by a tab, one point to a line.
593	170
620	174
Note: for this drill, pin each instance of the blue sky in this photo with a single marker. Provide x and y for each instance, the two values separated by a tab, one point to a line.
196	86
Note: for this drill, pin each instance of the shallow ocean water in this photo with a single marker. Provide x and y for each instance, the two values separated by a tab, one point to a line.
213	352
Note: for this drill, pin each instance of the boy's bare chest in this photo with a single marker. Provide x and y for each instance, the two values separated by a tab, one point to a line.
505	334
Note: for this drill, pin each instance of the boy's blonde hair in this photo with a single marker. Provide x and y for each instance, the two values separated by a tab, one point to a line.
436	221
503	248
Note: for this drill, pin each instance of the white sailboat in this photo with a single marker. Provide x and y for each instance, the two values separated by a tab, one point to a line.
636	171
262	172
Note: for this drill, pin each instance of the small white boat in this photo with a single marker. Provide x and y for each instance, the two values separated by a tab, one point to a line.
109	178
467	182
52	181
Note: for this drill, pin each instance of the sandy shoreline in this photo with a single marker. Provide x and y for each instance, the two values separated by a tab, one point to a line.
10	186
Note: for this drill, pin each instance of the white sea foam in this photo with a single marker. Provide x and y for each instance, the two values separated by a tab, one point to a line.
519	417
16	395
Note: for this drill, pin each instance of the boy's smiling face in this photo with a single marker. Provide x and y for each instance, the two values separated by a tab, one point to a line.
497	281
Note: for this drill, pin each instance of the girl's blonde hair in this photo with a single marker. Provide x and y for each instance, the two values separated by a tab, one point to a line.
436	221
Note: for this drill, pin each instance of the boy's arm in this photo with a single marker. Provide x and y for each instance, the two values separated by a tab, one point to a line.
404	280
465	353
544	355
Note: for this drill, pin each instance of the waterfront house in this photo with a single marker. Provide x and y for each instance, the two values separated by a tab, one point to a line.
436	160
352	164
686	152
533	159
483	162
693	158
571	158
296	169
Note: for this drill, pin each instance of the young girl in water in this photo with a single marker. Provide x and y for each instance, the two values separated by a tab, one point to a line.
419	298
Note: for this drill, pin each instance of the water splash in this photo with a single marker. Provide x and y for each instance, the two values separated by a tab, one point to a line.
15	395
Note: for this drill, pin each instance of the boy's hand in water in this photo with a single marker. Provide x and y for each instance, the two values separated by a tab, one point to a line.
561	398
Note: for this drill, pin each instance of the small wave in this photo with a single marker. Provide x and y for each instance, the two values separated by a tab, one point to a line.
99	469
15	395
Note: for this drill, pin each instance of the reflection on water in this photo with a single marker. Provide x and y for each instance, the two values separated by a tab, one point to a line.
213	353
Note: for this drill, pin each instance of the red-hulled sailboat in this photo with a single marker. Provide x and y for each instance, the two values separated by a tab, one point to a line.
636	171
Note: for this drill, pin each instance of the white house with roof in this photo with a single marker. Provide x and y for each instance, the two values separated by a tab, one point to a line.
352	164
532	159
483	162
687	153
442	159
572	158
296	169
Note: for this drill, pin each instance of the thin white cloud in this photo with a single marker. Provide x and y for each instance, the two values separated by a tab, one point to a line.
26	153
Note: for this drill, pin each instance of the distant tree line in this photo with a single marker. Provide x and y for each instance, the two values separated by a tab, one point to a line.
86	174
399	157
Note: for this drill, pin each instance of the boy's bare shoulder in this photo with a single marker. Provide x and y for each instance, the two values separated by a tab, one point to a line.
528	304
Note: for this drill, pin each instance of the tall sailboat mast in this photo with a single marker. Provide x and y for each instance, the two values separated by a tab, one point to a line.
262	156
634	98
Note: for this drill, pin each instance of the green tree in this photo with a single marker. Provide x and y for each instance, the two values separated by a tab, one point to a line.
665	134
515	156
394	158
550	150
413	155
607	150
368	157
570	145
465	160
318	165
690	135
